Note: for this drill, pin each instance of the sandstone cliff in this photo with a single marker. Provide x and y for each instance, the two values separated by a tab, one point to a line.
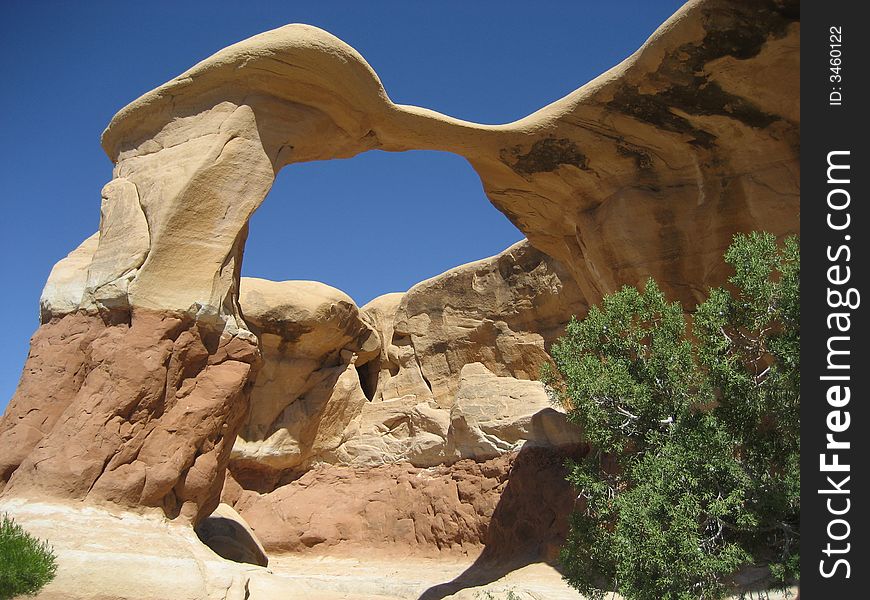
157	368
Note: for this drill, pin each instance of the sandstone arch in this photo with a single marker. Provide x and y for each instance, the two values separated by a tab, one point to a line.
647	170
201	152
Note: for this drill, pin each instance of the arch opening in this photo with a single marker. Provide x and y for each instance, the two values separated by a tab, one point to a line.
376	223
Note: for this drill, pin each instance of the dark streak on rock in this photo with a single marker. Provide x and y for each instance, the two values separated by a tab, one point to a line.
642	159
737	29
653	109
273	322
547	155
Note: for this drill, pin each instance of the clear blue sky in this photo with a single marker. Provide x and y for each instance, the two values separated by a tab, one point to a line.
369	225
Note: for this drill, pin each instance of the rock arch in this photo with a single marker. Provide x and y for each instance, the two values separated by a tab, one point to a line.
138	378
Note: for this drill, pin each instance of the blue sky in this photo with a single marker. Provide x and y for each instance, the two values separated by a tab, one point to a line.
372	224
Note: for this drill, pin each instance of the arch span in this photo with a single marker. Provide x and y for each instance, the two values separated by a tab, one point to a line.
138	381
646	171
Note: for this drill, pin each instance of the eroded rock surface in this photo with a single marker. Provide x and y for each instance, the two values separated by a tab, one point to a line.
377	385
65	289
230	537
141	414
139	378
646	171
494	415
502	312
311	336
516	505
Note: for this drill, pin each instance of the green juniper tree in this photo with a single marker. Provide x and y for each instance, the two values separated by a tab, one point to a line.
26	564
694	432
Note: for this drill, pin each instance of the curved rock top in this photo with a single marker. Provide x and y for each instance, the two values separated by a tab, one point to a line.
295	63
646	171
314	316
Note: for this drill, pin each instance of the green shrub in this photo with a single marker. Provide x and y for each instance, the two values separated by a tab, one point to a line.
26	564
694	470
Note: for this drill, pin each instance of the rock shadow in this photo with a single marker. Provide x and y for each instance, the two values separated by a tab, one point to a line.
229	539
530	521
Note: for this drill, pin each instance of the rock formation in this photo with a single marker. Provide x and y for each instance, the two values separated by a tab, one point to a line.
516	504
230	536
409	377
311	336
156	367
139	414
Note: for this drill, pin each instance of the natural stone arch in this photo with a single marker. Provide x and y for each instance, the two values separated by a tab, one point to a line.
226	127
647	171
202	150
379	222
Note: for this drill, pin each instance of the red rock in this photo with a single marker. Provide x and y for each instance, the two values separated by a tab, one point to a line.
53	374
141	415
513	506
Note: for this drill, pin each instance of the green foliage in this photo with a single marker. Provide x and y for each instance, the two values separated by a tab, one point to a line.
26	564
694	470
486	595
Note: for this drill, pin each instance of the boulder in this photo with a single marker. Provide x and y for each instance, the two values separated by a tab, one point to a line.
494	415
502	312
393	431
308	390
65	287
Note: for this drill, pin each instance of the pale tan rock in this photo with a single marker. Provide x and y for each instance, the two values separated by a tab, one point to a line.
494	310
62	293
502	312
315	318
395	373
124	244
303	327
312	424
125	556
202	225
395	365
461	316
648	170
495	415
392	431
308	390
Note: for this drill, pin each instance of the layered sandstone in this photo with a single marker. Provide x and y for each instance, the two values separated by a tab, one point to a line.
502	312
410	377
646	171
156	366
312	337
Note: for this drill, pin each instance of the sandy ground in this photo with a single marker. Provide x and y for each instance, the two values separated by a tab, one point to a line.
123	556
331	578
417	578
